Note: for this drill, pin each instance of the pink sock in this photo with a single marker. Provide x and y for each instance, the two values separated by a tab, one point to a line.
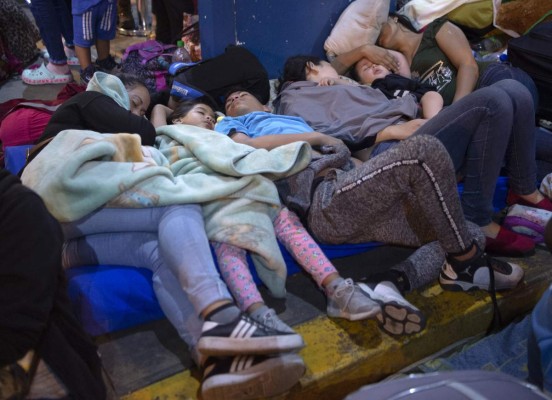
60	69
293	235
235	272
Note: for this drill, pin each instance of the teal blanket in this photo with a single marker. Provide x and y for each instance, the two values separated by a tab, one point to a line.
80	171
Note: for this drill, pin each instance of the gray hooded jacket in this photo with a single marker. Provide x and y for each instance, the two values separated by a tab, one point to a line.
354	114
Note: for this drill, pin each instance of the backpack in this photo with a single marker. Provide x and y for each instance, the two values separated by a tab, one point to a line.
149	61
214	77
533	54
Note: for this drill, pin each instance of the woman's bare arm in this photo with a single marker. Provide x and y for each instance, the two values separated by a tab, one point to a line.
452	41
160	115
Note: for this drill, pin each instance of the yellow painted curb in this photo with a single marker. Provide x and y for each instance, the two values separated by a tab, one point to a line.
342	356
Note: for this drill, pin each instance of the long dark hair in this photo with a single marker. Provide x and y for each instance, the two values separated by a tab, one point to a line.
404	21
184	108
295	69
130	81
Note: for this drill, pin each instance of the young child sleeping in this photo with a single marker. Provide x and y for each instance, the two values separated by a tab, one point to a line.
345	299
379	77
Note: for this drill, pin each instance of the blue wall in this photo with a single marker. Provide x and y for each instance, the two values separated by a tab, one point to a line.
272	29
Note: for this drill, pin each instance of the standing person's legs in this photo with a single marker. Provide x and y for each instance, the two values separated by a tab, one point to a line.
66	22
105	33
52	18
126	19
162	26
49	16
169	17
84	39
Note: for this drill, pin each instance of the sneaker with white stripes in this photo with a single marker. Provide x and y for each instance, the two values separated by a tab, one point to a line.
250	377
245	336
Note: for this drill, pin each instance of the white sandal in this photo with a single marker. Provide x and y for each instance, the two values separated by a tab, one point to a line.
40	75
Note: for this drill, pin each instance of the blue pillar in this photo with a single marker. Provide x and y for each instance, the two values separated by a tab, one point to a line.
273	30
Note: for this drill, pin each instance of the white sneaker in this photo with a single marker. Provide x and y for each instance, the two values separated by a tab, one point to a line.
350	302
398	316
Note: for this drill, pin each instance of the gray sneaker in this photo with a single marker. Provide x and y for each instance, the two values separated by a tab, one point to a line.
350	302
270	318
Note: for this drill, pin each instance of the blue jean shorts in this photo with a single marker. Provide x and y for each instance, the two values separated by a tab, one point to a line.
98	22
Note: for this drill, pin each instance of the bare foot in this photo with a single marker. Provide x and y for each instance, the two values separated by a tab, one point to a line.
490	230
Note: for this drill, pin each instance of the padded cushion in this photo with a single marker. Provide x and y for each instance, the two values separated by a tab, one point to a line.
359	24
109	298
501	192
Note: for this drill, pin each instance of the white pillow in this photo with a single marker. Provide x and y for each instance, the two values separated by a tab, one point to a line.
358	24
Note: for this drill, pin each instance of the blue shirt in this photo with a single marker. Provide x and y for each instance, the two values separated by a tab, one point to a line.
260	123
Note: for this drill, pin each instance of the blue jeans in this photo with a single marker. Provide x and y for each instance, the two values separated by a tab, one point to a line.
499	71
539	344
170	241
54	20
489	127
544	153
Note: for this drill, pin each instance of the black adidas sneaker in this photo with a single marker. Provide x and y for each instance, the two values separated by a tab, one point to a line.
245	336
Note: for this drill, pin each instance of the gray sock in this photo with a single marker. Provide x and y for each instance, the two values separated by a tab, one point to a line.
257	315
224	314
330	289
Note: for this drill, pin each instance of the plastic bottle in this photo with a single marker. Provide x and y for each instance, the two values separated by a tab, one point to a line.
490	48
488	45
181	54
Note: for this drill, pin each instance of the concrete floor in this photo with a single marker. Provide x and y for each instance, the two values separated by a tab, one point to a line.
15	88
